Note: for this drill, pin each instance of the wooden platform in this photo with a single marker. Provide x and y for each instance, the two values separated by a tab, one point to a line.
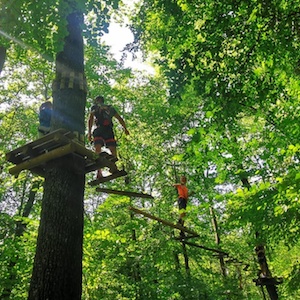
35	155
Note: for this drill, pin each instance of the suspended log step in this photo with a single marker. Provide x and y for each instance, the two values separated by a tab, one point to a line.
165	222
124	193
184	237
220	252
268	281
35	155
108	178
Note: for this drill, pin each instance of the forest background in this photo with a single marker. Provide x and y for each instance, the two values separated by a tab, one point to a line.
222	108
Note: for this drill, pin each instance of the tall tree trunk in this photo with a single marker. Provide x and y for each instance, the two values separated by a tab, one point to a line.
57	271
20	228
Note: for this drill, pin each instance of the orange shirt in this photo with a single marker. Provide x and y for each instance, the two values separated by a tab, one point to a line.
182	191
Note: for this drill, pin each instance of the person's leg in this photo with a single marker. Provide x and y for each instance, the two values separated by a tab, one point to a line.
111	144
110	141
113	150
179	209
98	148
98	144
43	130
182	207
182	214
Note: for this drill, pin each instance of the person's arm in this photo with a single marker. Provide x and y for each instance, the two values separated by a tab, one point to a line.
122	122
90	125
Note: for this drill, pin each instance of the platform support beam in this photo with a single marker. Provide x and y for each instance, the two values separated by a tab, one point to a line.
36	161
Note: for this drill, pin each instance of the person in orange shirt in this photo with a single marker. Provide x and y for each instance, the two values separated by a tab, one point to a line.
182	198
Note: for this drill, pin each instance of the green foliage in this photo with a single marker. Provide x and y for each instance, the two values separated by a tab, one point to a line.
41	26
223	109
235	69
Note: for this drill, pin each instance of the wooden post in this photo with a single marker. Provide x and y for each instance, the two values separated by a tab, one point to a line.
186	259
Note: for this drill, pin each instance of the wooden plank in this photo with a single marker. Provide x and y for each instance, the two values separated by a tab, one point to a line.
109	161
36	161
98	161
165	222
268	281
186	237
124	193
206	248
80	149
52	141
18	155
108	178
38	171
107	156
34	148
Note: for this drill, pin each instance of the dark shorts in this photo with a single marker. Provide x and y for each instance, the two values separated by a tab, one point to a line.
104	136
182	203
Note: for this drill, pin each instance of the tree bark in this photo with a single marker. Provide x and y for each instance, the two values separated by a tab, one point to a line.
57	271
58	262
